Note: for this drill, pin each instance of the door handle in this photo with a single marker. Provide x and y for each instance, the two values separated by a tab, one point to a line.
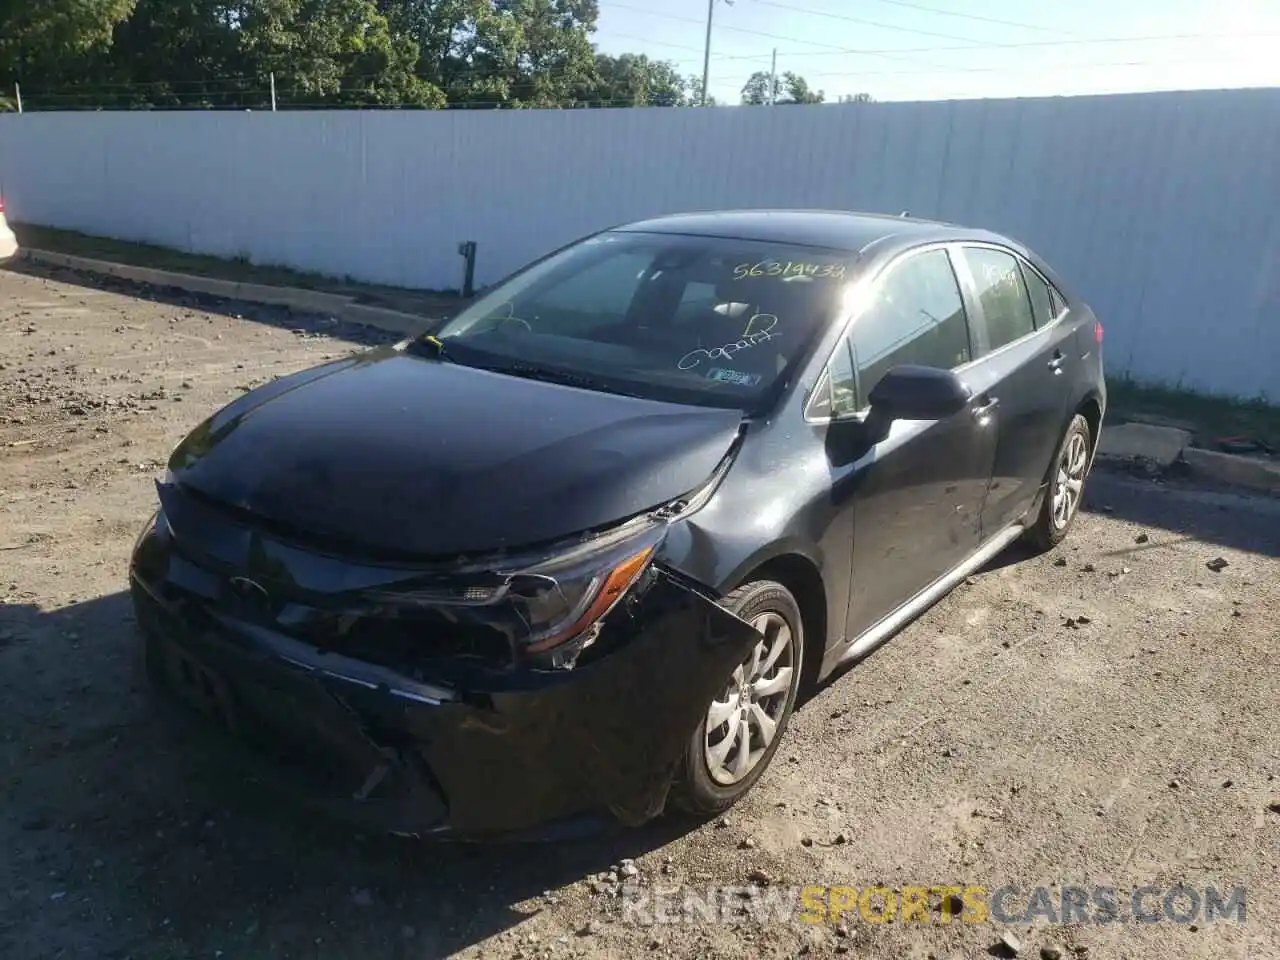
986	409
1059	358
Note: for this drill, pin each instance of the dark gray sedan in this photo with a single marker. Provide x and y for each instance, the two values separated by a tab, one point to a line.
575	552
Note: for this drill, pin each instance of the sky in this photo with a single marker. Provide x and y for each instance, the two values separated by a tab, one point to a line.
950	49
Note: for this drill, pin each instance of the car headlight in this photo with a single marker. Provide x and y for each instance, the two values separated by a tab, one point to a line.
551	607
565	597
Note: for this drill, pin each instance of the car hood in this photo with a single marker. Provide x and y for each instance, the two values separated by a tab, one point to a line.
392	453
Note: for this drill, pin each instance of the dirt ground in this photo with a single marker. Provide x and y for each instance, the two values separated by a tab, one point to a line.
1103	715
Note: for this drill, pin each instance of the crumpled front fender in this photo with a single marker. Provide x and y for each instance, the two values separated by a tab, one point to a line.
612	730
507	757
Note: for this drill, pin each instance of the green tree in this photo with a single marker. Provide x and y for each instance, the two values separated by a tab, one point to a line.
466	48
798	91
39	38
500	52
332	51
633	80
170	53
556	54
764	88
761	88
197	53
693	92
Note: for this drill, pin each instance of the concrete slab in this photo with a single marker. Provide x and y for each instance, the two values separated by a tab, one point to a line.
296	298
1160	445
1252	472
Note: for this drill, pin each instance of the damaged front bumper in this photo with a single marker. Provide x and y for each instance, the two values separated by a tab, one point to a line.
506	756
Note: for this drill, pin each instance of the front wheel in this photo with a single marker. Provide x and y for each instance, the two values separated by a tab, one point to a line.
1066	486
744	723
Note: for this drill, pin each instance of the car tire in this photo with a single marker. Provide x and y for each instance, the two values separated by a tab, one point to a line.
702	791
1071	462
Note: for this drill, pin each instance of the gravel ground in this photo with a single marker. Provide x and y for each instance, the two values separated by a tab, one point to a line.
1103	715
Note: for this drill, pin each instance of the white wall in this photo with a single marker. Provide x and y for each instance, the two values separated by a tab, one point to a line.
1162	209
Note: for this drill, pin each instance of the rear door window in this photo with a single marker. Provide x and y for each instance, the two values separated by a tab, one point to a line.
1059	302
916	316
1006	305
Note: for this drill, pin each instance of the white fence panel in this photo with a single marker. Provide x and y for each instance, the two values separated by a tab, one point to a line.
1162	209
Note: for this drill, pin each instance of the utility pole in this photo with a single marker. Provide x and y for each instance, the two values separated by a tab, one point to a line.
17	92
273	91
773	78
706	53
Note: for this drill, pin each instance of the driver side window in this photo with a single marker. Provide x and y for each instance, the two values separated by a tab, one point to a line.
916	316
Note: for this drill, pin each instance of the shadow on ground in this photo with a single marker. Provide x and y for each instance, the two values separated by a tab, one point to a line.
281	317
112	806
1224	517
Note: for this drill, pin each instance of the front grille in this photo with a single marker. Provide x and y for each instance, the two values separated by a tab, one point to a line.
418	644
222	563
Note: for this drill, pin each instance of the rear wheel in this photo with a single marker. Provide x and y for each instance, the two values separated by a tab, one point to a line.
1066	486
744	723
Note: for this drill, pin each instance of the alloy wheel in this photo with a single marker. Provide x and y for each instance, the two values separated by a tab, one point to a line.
1068	485
743	721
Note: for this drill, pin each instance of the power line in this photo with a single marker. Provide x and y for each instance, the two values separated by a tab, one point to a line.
258	99
952	13
906	55
865	22
889	55
903	53
248	85
656	43
229	85
1021	68
1020	45
350	84
775	36
223	91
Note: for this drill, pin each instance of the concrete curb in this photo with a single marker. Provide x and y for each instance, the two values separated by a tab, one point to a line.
1248	472
295	298
384	318
1163	448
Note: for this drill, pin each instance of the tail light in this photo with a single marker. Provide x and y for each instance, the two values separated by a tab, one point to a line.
1	204
1097	332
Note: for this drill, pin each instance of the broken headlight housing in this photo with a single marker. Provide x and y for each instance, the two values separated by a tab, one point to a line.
565	597
551	607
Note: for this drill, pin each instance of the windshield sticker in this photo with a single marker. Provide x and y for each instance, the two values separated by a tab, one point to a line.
789	268
726	351
733	376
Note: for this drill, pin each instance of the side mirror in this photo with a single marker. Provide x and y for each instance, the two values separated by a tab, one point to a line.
910	392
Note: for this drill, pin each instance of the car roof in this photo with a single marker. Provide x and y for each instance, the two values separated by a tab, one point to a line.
833	229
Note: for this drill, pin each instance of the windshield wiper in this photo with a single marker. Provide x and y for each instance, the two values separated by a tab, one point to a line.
530	372
433	346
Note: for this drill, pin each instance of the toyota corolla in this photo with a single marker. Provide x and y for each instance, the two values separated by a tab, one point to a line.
575	552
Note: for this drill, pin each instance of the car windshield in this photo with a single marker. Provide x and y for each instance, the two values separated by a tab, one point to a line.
701	320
